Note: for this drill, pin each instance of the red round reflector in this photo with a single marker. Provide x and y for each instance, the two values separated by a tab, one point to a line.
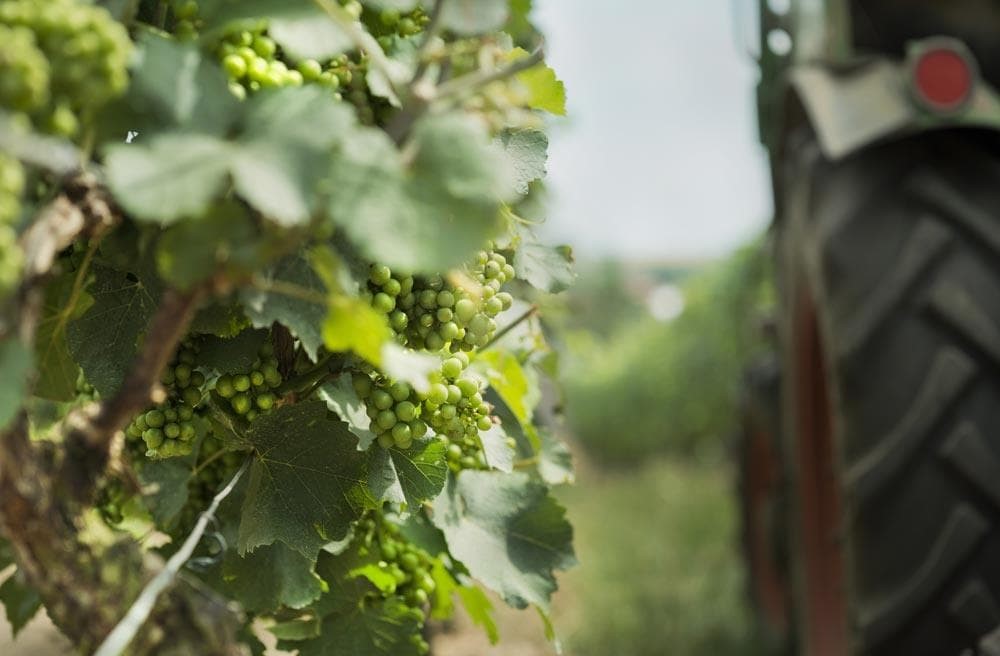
943	79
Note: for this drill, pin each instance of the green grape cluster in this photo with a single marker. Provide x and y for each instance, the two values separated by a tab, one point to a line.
430	313
252	393
168	429
394	409
84	390
455	409
86	52
24	85
407	563
391	22
12	182
186	20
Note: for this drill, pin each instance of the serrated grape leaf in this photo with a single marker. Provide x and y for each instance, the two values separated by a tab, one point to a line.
411	367
353	326
15	367
174	86
232	355
545	91
306	484
409	476
339	396
498	454
467	17
193	250
429	213
20	602
508	532
381	628
547	268
480	610
57	372
165	487
104	340
555	464
345	591
442	606
527	152
271	576
293	295
173	176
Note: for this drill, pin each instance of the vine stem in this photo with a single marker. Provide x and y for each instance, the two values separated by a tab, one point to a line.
138	613
509	327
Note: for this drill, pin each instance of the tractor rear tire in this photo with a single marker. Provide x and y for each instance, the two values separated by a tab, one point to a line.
889	287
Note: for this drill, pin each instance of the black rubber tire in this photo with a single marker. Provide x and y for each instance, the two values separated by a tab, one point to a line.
899	246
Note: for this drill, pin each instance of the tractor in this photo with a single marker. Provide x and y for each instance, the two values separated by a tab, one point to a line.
870	460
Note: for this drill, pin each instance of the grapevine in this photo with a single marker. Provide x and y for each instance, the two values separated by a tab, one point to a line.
275	319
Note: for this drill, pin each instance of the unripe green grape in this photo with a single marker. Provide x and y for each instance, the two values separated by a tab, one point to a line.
185	413
465	310
448	411
224	386
155	419
249	57
310	69
445	298
382	399
383	303
493	306
63	121
467	462
398	320
386	419
153	437
451	368
188	432
492	269
265	401
172	431
191	396
444	315
257	379
406	411
235	66
240	403
251	414
506	300
454	394
169	414
433	342
408	300
182	372
167	377
264	46
418	428
425	582
468	387
294	78
508	273
454	452
389	551
426	320
392	287
400	391
353	7
385	440
362	385
133	431
408	27
484	423
409	561
241	382
379	274
448	331
401	433
480	325
438	394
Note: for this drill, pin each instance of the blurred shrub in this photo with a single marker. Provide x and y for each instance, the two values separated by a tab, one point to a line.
653	387
660	572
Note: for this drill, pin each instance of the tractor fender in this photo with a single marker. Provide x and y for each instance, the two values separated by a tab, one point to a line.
874	101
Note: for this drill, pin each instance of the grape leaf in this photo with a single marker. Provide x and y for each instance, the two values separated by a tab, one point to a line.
271	576
381	628
545	91
104	339
306	484
301	628
57	372
431	213
173	86
409	366
193	250
498	454
232	355
340	397
517	386
409	476
555	464
292	294
442	606
352	325
166	487
15	367
508	531
526	151
172	177
309	35
20	602
549	269
468	17
480	610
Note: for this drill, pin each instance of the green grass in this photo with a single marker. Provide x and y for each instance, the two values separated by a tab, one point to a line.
659	572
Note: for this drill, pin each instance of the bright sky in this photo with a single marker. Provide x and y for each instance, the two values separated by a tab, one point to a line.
659	156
